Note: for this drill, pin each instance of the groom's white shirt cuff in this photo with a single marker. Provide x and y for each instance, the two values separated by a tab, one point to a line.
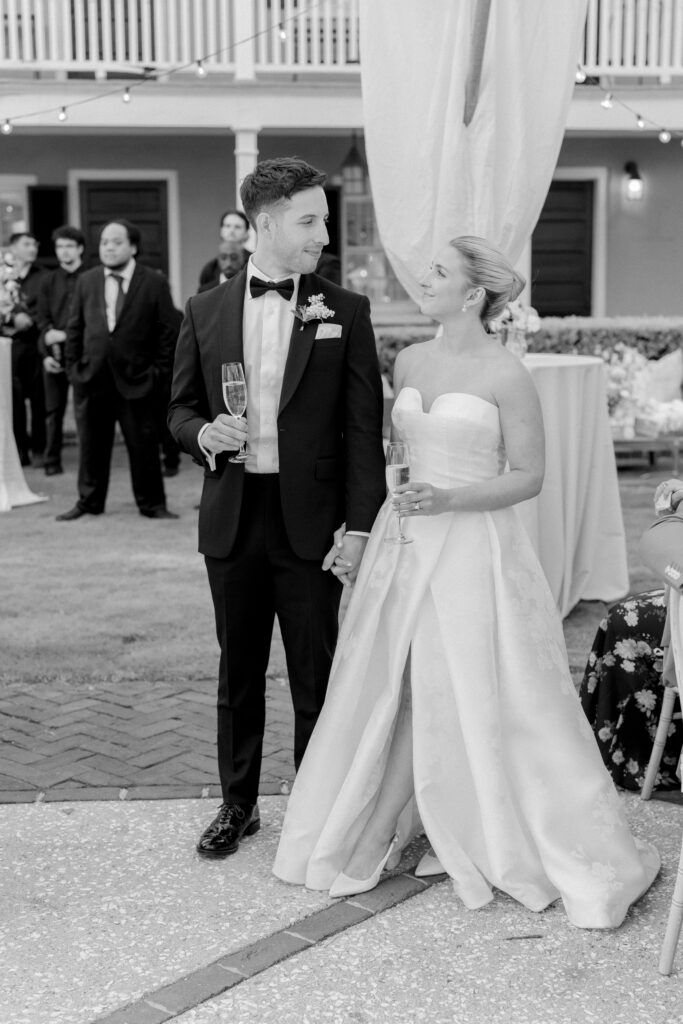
356	533
210	456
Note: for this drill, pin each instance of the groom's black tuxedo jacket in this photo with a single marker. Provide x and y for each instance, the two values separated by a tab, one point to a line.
139	351
329	420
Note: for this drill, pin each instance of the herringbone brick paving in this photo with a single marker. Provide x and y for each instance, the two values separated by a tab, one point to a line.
141	739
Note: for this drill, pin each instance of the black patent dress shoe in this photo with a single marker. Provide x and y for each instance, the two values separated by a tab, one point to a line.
159	513
223	835
53	470
74	513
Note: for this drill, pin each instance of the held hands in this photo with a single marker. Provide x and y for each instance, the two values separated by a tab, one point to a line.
53	336
344	557
420	499
668	496
225	434
51	365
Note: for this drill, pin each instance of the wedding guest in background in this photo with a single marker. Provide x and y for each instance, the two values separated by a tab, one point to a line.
234	228
54	300
229	262
27	375
119	348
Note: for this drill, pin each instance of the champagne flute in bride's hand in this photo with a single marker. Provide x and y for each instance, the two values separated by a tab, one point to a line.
235	398
397	472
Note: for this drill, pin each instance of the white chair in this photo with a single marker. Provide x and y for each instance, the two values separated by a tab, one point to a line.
671	644
665	717
673	925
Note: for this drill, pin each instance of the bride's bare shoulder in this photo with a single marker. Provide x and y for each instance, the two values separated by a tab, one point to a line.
512	379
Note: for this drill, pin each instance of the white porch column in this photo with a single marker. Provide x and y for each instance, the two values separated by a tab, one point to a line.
246	156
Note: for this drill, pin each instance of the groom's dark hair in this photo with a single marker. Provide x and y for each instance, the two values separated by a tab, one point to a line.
271	181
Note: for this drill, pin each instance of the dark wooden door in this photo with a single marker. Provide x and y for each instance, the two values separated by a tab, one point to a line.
47	211
562	251
144	203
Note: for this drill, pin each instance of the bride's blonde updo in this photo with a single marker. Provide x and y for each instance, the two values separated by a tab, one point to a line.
486	267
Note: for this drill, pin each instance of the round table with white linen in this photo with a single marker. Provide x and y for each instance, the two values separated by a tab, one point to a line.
575	523
14	490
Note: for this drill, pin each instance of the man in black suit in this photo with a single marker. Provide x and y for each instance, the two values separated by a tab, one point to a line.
119	348
54	302
234	230
230	260
315	461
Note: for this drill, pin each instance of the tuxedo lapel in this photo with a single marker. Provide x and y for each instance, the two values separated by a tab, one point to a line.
300	343
100	296
135	282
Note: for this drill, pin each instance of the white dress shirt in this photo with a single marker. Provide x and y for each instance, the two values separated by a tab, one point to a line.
267	323
111	289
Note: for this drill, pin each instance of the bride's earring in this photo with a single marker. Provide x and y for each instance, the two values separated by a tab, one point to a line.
464	308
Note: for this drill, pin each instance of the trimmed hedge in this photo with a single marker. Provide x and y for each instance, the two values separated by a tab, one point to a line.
653	337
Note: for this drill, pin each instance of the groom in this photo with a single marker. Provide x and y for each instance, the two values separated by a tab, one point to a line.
315	460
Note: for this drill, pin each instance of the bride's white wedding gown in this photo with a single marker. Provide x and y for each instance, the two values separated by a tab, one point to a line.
509	783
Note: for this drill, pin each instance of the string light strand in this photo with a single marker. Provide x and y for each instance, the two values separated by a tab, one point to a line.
197	64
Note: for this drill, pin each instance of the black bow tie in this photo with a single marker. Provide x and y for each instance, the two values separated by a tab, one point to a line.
258	287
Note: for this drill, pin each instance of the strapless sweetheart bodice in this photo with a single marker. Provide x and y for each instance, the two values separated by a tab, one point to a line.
458	440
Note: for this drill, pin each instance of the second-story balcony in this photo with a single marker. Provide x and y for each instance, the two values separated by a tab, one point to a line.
629	40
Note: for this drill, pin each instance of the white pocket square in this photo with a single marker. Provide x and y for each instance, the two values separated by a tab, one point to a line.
328	331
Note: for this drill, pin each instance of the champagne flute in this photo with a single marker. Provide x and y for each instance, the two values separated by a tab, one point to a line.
397	472
235	398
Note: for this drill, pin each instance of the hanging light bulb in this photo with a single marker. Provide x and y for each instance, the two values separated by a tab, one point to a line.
640	121
283	34
580	75
62	115
665	135
607	102
200	71
7	127
126	95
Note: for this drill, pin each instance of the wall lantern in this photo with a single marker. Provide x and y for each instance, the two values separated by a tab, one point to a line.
354	171
633	182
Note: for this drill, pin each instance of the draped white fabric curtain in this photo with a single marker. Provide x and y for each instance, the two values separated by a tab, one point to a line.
508	67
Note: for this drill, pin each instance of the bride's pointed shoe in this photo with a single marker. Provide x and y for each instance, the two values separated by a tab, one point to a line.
429	865
343	885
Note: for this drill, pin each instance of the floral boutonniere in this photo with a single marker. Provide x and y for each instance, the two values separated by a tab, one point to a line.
314	310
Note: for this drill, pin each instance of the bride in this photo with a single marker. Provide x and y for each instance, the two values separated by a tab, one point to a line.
450	706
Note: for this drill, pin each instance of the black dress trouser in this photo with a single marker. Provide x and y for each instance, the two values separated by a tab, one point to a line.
56	394
27	386
96	416
262	577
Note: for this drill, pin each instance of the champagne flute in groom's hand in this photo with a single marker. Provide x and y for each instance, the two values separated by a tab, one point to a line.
235	398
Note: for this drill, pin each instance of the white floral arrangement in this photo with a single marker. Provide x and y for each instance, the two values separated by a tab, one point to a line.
314	310
10	294
624	365
517	317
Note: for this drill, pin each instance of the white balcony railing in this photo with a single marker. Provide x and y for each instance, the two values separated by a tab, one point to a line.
246	38
639	38
131	35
